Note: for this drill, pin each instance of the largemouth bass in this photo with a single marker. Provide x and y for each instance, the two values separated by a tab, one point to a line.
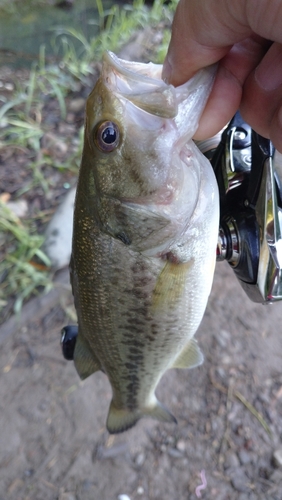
145	234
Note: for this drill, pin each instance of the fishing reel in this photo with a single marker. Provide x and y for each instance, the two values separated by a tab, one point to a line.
250	192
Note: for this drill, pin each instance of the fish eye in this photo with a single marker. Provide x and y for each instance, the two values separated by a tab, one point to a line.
107	136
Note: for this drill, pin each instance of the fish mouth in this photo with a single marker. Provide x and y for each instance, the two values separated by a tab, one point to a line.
139	72
141	84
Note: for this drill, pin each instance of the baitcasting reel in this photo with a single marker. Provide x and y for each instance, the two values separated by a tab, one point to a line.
250	190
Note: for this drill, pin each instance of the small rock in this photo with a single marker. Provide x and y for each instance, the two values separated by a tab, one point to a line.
173	452
140	490
231	460
70	118
170	440
66	129
18	207
28	472
226	360
221	372
268	382
244	457
76	105
233	416
9	86
181	445
66	496
51	119
263	398
42	406
223	338
112	451
123	497
276	477
240	481
86	485
277	458
216	423
5	197
58	235
140	459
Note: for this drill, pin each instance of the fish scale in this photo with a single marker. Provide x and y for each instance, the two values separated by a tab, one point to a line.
145	235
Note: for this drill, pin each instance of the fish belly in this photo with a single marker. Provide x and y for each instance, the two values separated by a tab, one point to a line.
137	316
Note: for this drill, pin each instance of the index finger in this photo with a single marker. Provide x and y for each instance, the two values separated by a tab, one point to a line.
203	32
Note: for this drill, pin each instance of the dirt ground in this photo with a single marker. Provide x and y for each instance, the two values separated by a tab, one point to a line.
54	444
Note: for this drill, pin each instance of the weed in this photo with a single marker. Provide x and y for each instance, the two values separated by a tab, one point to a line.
119	23
21	245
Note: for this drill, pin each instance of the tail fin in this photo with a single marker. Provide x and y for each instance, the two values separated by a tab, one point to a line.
120	420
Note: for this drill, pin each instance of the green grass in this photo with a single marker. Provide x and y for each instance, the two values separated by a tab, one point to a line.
18	275
22	126
120	24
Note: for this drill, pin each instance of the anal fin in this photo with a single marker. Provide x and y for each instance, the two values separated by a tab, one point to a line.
190	356
84	360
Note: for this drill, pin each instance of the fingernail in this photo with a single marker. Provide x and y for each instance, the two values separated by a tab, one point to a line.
167	71
269	72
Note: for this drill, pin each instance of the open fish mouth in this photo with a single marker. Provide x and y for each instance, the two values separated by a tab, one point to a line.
141	84
135	71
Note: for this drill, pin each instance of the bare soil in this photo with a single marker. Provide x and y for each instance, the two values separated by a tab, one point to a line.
54	444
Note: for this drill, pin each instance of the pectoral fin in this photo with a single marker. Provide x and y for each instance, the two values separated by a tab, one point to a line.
84	360
170	284
190	356
120	420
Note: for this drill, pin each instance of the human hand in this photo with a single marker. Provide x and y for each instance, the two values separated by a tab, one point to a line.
245	38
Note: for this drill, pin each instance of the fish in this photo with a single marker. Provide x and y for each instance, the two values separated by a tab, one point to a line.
144	235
